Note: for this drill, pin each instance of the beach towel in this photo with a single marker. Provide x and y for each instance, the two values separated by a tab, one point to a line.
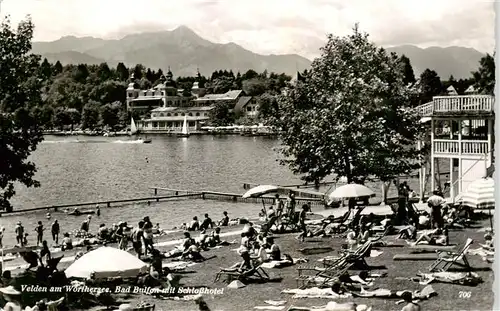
269	307
462	278
283	263
315	292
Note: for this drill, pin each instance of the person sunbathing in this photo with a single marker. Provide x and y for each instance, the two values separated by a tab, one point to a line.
203	239
194	225
67	243
409	232
410	305
275	252
214	239
351	240
364	233
225	220
435	237
193	252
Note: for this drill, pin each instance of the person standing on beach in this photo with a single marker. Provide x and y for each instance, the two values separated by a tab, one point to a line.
436	202
39	233
279	205
86	225
137	236
302	223
19	230
148	235
55	229
2	230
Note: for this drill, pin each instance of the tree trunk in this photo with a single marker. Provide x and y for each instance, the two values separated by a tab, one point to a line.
385	190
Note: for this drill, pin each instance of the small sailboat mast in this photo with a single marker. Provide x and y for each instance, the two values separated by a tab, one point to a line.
133	128
185	127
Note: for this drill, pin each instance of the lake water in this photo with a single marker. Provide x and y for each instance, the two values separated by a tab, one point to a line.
85	169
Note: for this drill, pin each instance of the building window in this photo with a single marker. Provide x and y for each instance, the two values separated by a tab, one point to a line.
161	114
190	114
153	115
205	114
168	114
130	94
183	114
197	114
249	108
169	102
155	124
176	114
192	123
162	93
161	124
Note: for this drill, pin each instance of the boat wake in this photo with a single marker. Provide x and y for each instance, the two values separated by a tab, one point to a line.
68	141
138	141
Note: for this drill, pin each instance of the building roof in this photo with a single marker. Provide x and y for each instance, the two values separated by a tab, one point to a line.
231	95
170	109
144	98
242	102
470	89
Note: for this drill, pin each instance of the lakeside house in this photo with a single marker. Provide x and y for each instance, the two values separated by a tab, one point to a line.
461	138
169	106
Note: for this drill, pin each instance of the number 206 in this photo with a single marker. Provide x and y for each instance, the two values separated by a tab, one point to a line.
464	295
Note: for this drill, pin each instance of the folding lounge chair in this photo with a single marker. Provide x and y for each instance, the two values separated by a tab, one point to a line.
232	274
357	256
291	223
448	259
322	276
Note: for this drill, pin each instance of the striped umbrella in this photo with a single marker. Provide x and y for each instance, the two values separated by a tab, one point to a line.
480	194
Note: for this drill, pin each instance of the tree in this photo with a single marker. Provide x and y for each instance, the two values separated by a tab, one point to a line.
138	71
429	85
122	72
408	74
45	69
484	77
222	114
110	114
268	107
255	86
103	72
220	85
350	116
80	73
61	118
20	89
58	68
90	115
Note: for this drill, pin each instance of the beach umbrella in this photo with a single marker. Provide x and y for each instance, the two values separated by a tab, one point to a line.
260	191
351	191
106	262
480	194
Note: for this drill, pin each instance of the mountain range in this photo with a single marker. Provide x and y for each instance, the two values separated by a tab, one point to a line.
184	51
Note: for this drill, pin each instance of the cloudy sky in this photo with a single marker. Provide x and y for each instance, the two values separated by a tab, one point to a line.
269	26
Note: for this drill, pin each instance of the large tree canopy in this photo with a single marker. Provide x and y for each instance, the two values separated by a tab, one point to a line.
20	89
484	77
350	115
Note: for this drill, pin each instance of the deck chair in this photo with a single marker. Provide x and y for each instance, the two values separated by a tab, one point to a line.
322	277
448	259
291	223
231	274
332	219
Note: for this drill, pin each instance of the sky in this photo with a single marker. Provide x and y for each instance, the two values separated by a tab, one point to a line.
269	26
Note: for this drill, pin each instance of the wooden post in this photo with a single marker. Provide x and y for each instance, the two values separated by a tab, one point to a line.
433	176
156	191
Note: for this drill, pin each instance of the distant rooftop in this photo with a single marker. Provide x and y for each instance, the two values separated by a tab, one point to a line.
231	95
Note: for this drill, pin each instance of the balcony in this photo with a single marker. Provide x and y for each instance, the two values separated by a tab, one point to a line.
458	105
452	147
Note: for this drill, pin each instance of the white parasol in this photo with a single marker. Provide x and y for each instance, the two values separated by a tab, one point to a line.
106	262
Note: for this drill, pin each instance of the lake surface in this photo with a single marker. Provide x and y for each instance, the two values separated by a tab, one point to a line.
79	169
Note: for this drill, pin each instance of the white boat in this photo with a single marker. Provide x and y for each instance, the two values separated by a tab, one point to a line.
133	131
184	132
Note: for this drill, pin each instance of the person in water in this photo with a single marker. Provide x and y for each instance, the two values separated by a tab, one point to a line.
97	210
55	229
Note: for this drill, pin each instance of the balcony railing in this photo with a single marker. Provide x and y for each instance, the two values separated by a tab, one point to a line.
443	146
463	103
446	146
475	147
454	104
